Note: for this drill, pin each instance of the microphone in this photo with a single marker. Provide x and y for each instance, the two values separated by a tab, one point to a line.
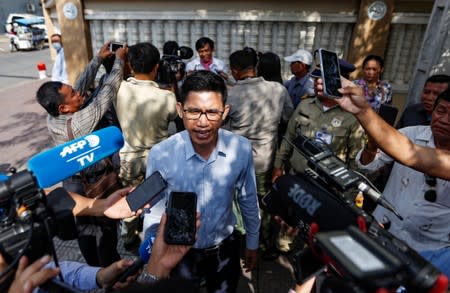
301	201
65	160
378	198
322	160
145	250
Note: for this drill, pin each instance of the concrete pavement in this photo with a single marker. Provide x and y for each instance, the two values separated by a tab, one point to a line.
23	128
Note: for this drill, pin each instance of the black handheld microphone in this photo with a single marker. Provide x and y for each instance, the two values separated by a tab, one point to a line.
145	251
323	161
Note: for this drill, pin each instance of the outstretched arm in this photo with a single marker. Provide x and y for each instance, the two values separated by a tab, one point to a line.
432	161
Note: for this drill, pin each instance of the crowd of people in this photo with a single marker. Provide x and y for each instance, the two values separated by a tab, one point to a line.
233	139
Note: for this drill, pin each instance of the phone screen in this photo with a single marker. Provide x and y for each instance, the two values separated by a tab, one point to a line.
149	191
329	66
181	216
114	46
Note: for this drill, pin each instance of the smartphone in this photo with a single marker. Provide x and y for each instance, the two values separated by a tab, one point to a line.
113	46
149	191
331	75
181	216
388	113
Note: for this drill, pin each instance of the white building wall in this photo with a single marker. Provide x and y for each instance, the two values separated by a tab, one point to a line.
281	32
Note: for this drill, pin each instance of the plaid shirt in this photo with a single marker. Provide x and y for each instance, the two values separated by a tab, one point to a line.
85	120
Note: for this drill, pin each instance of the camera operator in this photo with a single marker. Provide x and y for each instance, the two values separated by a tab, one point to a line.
163	259
172	71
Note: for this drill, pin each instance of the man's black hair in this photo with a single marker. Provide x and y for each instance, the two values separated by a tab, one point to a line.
376	58
203	81
170	48
269	67
49	97
438	78
143	57
244	59
444	96
202	42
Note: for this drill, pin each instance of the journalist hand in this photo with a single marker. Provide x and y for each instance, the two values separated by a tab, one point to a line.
353	99
114	206
106	277
29	277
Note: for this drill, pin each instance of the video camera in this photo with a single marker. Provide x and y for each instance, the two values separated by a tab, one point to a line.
29	219
172	63
359	254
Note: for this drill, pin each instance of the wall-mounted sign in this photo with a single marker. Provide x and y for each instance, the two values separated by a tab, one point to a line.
70	11
377	10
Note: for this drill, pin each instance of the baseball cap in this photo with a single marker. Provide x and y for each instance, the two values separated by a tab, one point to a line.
301	55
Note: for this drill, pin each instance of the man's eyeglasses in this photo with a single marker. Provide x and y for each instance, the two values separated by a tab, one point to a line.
194	114
430	195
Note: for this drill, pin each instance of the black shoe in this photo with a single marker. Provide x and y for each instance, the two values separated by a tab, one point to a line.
270	253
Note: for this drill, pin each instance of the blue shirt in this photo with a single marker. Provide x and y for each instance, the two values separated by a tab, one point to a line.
228	171
77	275
59	71
297	88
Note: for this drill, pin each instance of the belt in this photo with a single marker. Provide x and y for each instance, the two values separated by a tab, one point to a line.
214	249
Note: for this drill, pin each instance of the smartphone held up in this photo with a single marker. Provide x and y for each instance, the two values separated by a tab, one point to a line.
148	192
181	218
330	73
113	46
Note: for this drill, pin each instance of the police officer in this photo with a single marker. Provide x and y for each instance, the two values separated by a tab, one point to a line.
321	118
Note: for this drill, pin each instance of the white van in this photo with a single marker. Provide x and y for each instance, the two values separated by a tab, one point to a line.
14	16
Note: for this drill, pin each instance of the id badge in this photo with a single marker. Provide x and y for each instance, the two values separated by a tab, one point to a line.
324	136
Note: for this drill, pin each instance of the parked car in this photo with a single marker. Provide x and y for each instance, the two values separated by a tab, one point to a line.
38	22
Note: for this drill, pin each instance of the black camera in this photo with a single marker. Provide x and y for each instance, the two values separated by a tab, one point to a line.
172	67
359	254
27	224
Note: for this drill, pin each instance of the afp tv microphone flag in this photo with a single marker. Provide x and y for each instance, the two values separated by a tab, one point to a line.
65	160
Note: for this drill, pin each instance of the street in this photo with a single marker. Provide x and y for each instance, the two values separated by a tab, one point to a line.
23	129
17	67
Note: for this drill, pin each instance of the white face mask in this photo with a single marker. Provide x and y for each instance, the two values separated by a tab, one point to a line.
56	46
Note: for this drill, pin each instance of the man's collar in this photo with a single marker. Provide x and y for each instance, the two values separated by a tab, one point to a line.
189	148
142	81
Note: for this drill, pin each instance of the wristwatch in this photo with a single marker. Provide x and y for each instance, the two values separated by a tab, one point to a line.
146	277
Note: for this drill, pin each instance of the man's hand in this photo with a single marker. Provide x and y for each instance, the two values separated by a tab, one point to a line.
165	256
104	51
29	277
250	259
116	206
121	53
353	99
106	277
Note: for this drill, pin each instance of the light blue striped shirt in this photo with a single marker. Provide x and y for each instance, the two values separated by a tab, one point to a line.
228	170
